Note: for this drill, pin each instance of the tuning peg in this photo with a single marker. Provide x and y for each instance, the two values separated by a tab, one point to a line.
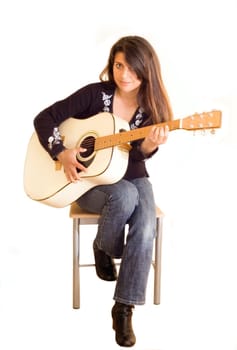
202	132
213	131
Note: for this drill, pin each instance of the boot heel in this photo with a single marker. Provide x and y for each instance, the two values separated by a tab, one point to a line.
122	324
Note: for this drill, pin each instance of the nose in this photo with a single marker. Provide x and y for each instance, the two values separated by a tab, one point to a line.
125	72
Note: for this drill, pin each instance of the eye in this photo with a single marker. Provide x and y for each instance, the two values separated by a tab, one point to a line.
117	65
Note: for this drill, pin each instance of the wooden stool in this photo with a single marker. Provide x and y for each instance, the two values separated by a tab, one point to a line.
82	217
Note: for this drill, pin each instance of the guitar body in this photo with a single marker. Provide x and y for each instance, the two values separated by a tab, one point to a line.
44	178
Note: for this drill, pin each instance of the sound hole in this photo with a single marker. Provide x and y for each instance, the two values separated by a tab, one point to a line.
86	158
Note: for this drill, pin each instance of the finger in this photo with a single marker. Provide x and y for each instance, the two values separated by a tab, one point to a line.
82	149
158	133
161	132
154	133
72	174
74	177
166	130
80	166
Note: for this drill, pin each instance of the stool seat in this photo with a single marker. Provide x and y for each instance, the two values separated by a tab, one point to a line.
83	217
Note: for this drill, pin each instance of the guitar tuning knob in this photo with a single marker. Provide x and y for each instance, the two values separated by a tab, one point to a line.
213	131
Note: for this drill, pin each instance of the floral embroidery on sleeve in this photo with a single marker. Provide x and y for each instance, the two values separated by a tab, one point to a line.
138	119
107	101
54	139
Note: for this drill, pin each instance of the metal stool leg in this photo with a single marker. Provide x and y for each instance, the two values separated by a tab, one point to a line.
157	261
76	262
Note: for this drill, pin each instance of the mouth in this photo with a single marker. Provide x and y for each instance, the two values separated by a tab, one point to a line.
124	83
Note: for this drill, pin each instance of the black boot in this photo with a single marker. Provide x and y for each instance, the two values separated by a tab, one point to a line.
104	265
122	324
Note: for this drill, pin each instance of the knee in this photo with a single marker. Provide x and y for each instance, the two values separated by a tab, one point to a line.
125	196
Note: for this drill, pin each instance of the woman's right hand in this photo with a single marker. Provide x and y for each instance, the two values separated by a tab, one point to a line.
68	159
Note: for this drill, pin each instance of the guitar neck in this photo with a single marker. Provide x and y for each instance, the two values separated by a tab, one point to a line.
131	135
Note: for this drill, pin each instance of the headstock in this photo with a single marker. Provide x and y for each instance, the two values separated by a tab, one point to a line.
205	120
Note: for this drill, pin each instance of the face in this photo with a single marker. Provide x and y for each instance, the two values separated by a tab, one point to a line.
124	76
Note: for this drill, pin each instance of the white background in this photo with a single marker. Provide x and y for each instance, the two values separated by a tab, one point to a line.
48	50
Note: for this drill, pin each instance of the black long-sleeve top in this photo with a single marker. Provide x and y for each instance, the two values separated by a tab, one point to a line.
86	102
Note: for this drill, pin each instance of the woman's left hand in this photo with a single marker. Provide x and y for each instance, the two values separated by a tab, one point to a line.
157	136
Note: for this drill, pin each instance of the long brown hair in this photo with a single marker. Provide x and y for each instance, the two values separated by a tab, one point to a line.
141	56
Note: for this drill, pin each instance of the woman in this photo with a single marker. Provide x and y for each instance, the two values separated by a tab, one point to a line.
130	87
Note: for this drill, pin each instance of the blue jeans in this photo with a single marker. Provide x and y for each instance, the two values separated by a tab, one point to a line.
132	203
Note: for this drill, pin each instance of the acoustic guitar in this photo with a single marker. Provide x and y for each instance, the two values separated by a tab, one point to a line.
106	138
